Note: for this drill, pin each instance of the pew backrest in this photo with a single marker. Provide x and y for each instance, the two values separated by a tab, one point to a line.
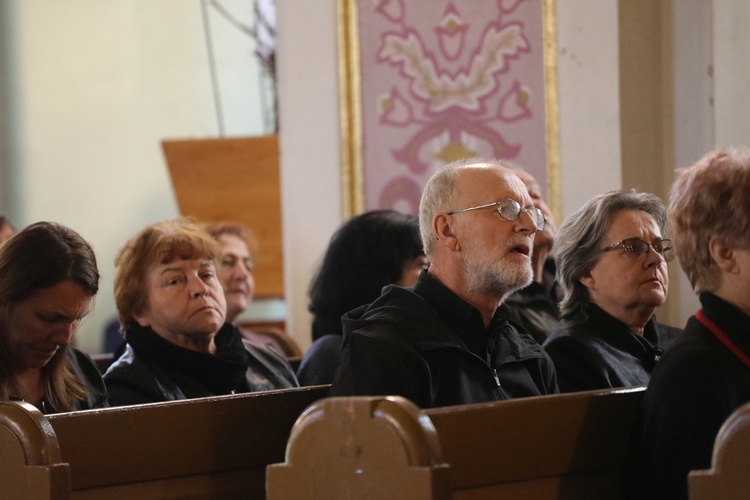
562	446
215	447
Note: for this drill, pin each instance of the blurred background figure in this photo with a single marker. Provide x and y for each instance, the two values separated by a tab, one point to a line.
368	252
611	258
535	307
6	228
239	251
173	309
705	374
48	280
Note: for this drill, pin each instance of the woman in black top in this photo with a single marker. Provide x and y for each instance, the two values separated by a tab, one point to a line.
705	374
48	280
368	252
173	309
611	258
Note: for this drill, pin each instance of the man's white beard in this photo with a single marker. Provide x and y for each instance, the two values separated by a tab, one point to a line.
498	277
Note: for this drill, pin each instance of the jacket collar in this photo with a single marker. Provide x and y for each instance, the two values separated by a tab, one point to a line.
729	318
432	317
591	317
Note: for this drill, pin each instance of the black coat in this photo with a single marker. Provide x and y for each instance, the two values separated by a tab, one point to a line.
593	350
694	388
88	373
320	361
431	347
535	309
152	369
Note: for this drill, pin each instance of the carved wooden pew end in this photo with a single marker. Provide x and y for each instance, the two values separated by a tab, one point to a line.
30	462
378	447
729	476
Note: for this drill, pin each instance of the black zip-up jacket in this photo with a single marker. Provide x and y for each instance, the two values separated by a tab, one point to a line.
430	346
593	350
152	369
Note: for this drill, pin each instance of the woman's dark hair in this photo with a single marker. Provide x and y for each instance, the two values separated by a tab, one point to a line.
42	255
38	257
365	254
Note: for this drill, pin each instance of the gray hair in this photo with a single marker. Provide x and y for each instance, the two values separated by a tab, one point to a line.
579	239
439	190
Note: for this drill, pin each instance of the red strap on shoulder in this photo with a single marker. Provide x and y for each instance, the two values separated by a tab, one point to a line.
722	337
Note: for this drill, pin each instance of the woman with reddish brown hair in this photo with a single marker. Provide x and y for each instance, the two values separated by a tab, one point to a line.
173	311
705	374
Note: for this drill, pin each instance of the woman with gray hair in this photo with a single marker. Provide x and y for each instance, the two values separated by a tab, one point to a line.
612	266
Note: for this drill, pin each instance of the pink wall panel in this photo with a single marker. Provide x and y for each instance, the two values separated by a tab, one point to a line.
443	79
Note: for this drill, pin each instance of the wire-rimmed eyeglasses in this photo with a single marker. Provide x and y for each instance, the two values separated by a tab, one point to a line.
511	210
636	248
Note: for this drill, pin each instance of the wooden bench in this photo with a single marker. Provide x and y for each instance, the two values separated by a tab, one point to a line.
561	446
728	477
214	447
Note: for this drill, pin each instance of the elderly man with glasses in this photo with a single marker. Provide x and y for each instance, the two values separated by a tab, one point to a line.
611	258
447	340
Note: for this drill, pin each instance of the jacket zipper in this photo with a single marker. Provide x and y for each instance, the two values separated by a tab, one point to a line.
499	388
497	379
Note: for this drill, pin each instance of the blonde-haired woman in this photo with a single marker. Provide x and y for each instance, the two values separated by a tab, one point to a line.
48	280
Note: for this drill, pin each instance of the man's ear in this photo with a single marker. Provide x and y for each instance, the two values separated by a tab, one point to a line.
442	225
724	256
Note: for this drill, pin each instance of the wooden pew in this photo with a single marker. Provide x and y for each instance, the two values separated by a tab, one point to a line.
562	446
214	447
728	477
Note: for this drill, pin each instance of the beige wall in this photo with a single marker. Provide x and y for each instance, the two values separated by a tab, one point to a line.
309	139
95	86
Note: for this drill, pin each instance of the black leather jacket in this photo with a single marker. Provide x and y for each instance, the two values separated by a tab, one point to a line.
593	350
431	347
152	369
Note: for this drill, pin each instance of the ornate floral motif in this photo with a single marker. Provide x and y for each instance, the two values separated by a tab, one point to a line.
451	89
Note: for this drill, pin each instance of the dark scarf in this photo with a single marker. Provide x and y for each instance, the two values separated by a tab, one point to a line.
221	373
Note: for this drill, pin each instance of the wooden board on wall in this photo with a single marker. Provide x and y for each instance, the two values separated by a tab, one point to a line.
234	179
